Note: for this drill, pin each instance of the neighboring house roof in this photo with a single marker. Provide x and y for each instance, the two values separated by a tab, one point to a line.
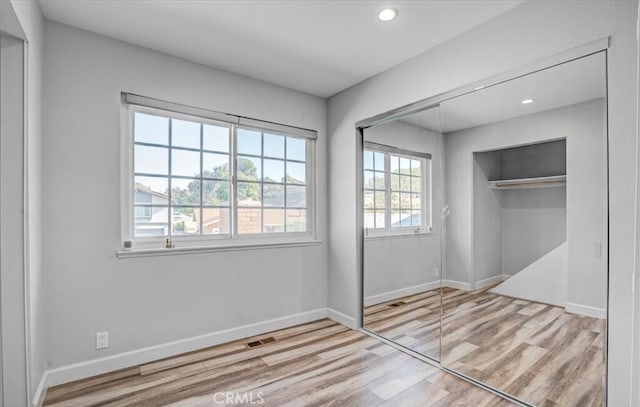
143	188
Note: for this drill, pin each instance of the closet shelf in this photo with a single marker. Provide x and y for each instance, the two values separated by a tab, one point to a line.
527	183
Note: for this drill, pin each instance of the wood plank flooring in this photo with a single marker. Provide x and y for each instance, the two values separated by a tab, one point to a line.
535	352
316	364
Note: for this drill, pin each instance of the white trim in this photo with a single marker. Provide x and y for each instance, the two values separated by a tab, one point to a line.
342	319
593	312
402	292
127	254
82	370
459	285
41	390
491	281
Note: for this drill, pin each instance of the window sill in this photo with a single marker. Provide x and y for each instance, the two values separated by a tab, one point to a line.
397	236
134	253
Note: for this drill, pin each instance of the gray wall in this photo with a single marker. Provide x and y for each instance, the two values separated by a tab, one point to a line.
148	301
527	33
397	262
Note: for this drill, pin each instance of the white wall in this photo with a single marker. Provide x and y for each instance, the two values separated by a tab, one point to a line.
31	23
153	300
394	264
533	221
529	32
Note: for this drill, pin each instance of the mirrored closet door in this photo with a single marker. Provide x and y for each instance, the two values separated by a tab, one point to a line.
402	230
525	283
485	241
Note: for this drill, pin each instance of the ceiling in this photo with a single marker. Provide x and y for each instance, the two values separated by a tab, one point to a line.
563	85
317	47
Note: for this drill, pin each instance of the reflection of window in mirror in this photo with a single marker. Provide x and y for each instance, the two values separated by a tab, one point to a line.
396	192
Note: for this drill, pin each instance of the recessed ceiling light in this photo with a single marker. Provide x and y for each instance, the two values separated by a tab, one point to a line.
527	101
387	14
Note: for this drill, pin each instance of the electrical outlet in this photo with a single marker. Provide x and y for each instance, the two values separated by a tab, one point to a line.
437	272
102	340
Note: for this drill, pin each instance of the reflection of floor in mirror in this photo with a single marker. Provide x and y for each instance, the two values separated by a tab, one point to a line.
320	363
412	321
536	352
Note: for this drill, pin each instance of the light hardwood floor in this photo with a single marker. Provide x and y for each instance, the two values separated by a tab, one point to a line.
316	364
536	352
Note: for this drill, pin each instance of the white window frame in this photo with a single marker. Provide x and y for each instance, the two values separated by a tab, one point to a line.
426	202
132	104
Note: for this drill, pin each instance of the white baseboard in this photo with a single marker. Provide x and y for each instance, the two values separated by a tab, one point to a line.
41	390
403	292
587	310
341	318
459	285
491	281
110	363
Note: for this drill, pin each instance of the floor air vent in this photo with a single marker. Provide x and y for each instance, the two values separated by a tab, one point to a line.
259	342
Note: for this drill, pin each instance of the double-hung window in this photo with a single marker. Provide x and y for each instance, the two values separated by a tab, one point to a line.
396	190
195	177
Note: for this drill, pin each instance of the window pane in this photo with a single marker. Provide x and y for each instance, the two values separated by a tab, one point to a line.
273	221
249	194
369	202
395	182
405	201
215	193
151	129
184	221
296	197
273	195
415	167
379	180
151	190
249	142
215	221
185	191
405	165
296	149
416	201
416	218
215	138
185	134
395	200
151	160
405	183
380	219
249	220
380	200
368	179
152	221
416	184
296	220
368	160
395	218
378	161
186	163
273	146
296	173
215	165
273	170
369	219
249	168
405	218
394	163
